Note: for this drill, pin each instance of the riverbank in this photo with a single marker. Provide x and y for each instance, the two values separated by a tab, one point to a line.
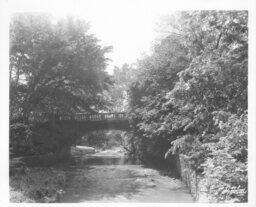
37	185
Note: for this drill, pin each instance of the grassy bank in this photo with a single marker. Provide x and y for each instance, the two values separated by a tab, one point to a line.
37	184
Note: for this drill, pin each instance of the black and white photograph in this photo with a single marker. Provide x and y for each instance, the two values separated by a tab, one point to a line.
140	102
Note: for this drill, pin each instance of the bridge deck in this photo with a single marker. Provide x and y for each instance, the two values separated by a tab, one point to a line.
40	117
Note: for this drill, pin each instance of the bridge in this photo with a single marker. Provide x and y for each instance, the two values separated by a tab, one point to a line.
43	117
56	133
83	122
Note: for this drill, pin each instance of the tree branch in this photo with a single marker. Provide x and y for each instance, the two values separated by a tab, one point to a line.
218	40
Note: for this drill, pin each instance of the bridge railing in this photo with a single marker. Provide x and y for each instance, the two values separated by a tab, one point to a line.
78	117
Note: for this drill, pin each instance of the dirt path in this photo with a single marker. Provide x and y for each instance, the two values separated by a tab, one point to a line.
101	177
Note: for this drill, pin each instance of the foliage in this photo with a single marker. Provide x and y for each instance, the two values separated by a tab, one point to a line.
196	77
20	141
103	139
117	94
225	170
55	67
37	185
95	139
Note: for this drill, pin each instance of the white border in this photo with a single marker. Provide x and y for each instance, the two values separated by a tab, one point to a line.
252	105
4	87
176	5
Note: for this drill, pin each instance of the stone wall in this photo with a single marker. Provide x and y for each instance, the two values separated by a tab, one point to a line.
193	181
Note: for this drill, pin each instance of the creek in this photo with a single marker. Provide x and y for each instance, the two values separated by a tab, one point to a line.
107	176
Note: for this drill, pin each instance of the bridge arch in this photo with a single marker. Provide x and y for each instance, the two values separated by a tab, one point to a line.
65	130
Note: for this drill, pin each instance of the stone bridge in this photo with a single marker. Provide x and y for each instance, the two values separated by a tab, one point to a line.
43	117
57	132
84	122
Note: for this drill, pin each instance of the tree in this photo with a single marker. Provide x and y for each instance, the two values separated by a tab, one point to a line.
55	67
197	72
118	92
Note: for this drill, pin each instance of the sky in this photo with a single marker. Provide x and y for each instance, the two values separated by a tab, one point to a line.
128	26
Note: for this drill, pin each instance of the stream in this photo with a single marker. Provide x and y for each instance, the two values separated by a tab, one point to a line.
105	177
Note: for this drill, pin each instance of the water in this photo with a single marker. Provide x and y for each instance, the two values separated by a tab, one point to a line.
107	176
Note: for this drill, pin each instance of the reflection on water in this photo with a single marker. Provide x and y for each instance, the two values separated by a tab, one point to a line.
114	156
95	160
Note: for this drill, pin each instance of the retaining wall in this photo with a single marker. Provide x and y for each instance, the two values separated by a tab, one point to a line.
193	181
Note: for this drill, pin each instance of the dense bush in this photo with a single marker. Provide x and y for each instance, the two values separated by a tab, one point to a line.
225	169
37	185
20	142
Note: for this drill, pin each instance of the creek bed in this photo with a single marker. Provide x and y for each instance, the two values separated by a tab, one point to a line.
106	176
91	176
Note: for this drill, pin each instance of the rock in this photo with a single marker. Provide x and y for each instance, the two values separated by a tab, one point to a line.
151	184
85	149
146	182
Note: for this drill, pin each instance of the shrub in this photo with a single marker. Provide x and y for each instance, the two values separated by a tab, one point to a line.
225	170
